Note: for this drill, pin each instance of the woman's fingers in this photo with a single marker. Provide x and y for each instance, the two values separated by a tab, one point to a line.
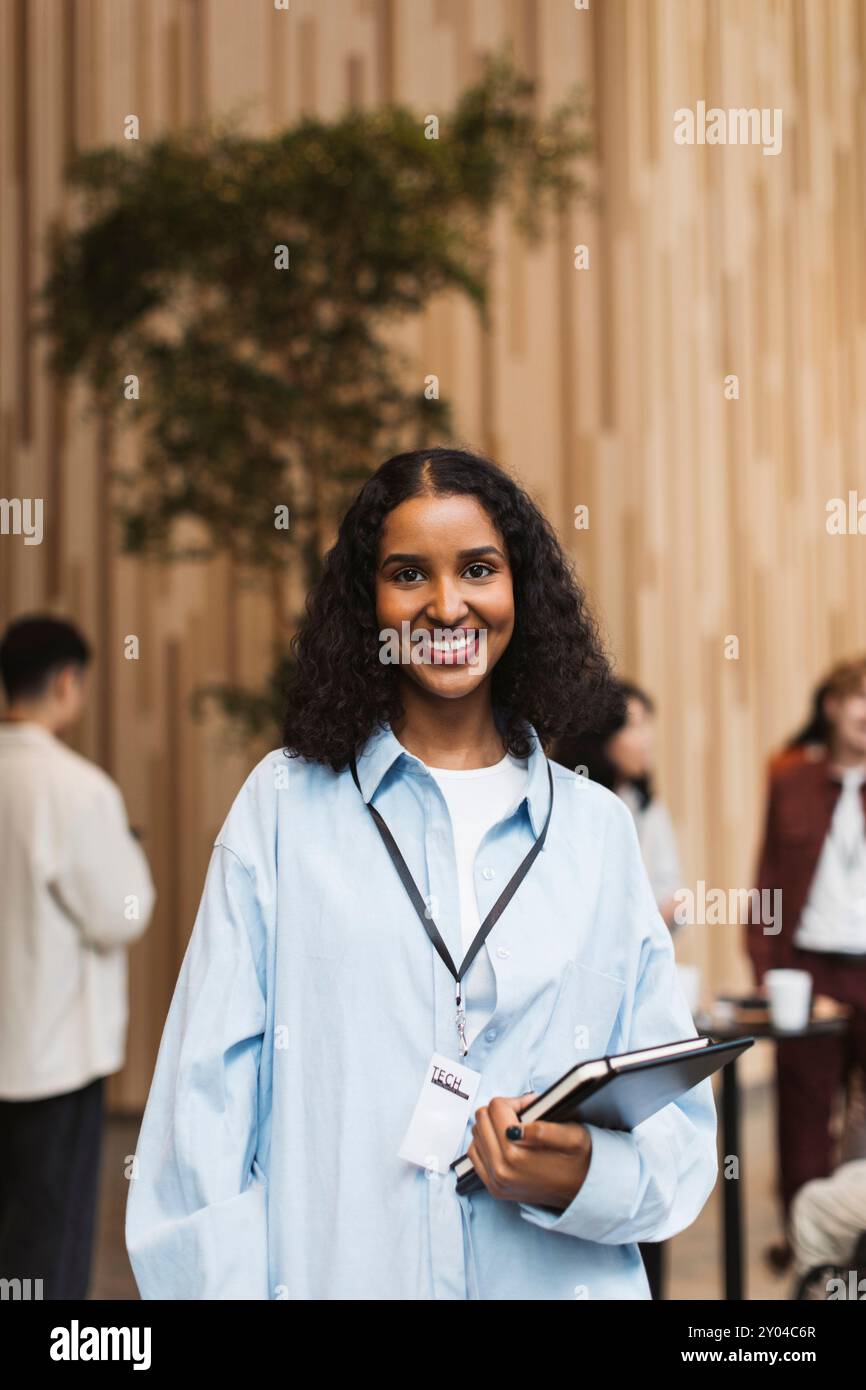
487	1136
562	1138
499	1160
498	1155
477	1157
537	1134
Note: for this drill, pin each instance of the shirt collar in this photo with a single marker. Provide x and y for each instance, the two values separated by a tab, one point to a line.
383	750
27	729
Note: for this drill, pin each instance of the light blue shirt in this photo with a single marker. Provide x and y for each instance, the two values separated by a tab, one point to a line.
309	1003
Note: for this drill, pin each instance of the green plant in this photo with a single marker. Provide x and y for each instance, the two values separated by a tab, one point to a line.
262	387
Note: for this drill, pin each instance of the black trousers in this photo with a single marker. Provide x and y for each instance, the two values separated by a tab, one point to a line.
49	1178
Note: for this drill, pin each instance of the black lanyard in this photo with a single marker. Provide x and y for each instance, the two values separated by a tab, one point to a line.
423	911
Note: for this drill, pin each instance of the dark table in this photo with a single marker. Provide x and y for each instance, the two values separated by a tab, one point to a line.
709	1025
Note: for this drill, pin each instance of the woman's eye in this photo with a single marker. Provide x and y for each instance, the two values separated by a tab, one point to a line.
411	575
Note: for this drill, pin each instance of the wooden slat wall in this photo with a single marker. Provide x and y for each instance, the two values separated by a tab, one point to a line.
605	386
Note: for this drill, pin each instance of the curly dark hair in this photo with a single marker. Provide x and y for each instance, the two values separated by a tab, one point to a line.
588	749
340	691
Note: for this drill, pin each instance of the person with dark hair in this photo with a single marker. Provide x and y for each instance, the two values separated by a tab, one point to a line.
814	855
43	659
76	891
411	915
808	744
621	758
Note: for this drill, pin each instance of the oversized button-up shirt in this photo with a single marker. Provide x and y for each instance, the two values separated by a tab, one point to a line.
310	1001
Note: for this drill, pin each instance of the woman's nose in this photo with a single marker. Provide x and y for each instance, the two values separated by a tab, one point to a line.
447	606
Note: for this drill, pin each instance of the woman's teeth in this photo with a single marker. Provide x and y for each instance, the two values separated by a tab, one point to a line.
457	643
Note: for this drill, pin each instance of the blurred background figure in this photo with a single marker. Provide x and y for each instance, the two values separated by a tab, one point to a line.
77	890
809	744
814	854
623	759
828	1228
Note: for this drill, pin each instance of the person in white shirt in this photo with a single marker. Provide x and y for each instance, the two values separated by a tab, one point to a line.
828	1229
621	758
77	891
814	855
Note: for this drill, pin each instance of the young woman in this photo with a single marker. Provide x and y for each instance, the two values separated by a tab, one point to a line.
296	1142
621	758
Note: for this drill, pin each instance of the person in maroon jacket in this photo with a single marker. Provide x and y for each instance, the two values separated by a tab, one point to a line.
814	852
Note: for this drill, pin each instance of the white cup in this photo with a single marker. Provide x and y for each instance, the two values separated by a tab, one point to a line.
690	981
790	998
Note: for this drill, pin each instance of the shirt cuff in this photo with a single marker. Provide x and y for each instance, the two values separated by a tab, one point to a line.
608	1195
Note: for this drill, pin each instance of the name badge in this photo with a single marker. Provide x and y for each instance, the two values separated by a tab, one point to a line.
441	1111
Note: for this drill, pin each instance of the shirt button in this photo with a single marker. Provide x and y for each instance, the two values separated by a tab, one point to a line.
488	872
502	952
490	1034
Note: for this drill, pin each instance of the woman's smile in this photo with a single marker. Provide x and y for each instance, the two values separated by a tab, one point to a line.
452	646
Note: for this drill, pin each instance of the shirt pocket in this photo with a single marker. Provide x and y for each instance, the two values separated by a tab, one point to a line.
581	1024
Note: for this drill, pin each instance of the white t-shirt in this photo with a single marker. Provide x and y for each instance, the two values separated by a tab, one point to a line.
834	914
68	865
658	843
477	798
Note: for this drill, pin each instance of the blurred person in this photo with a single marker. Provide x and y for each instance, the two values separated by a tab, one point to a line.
809	743
622	758
814	853
76	891
322	965
828	1220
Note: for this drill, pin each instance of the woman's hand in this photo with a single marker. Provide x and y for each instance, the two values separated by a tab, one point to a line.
546	1167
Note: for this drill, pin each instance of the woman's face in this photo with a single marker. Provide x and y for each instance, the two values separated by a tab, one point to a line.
443	571
630	749
846	716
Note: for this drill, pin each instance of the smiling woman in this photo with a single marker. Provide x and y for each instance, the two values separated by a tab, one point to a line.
410	890
442	538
